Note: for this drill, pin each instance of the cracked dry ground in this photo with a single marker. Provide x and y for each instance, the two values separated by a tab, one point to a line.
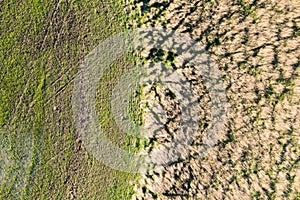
255	45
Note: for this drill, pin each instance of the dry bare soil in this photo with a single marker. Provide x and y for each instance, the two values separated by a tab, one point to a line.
255	45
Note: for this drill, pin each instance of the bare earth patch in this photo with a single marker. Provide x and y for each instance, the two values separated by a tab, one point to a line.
256	46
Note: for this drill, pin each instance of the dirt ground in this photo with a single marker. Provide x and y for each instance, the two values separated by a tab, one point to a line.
255	45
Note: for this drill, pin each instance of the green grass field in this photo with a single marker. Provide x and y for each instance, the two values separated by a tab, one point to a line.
42	44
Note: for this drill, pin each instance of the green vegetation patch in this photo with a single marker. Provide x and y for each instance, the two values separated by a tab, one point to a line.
42	44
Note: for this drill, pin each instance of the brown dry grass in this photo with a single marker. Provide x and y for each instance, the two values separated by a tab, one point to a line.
256	46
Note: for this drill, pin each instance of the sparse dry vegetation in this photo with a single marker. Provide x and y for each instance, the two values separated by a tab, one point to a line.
256	46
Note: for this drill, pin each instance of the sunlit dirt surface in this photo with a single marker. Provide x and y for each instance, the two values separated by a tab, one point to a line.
256	46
